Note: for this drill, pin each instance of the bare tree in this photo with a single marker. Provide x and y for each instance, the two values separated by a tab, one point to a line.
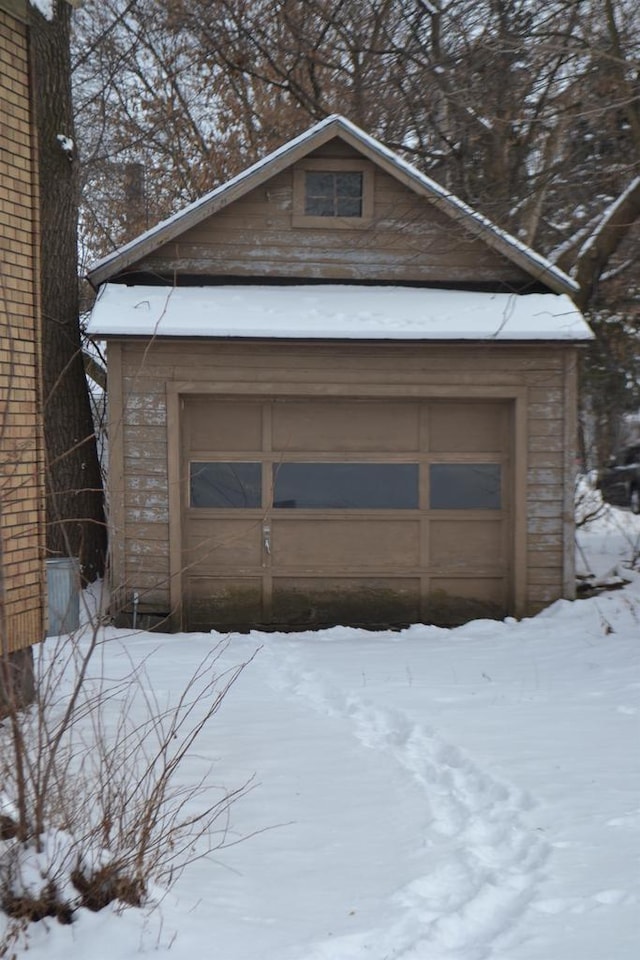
528	111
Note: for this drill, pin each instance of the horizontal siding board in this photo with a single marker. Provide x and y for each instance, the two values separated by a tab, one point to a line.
545	508
138	437
148	514
169	359
545	477
138	399
547	459
542	524
543	542
546	428
139	483
137	450
551	556
546	444
543	594
138	384
144	498
319	246
146	466
392	221
147	548
537	492
153	593
147	564
338	267
155	532
546	575
306	374
145	414
546	410
149	580
545	395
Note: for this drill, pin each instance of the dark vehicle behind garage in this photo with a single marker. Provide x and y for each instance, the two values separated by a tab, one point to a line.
620	481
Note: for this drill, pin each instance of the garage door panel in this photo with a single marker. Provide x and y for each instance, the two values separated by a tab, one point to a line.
222	425
466	545
301	512
346	543
223	602
329	601
466	427
345	426
215	543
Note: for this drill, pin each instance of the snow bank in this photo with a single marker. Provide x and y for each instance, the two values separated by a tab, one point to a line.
463	794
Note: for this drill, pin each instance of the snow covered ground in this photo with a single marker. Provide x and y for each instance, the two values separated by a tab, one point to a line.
427	795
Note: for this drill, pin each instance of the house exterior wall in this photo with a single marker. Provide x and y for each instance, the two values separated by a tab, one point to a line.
148	380
407	240
21	448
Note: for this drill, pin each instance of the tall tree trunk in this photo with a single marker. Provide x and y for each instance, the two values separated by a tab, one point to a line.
75	513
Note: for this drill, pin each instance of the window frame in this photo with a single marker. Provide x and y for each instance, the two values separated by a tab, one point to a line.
319	165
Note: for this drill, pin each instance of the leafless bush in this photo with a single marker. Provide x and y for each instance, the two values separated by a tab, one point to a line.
590	508
588	502
93	806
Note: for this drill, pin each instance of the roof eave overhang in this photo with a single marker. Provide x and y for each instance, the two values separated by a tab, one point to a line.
369	341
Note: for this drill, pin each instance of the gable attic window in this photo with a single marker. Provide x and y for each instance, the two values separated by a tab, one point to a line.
333	193
328	194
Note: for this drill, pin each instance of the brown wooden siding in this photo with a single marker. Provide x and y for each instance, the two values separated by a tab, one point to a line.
408	240
21	456
141	471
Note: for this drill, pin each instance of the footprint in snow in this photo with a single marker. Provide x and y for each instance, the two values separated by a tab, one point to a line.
578	905
491	858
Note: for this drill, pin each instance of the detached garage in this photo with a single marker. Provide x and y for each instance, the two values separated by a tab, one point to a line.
336	395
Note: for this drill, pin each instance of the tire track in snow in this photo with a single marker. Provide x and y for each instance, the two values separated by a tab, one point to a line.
485	861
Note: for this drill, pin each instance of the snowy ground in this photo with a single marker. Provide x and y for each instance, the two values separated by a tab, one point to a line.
425	795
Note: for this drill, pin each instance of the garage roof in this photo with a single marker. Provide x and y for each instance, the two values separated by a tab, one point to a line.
328	311
533	263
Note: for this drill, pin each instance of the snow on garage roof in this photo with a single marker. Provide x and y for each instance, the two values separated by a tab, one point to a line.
340	312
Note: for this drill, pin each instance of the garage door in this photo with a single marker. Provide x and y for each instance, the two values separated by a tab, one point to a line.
310	512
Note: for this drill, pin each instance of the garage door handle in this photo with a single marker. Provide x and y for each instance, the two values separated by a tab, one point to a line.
266	540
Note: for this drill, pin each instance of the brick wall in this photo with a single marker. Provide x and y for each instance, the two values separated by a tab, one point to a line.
21	449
